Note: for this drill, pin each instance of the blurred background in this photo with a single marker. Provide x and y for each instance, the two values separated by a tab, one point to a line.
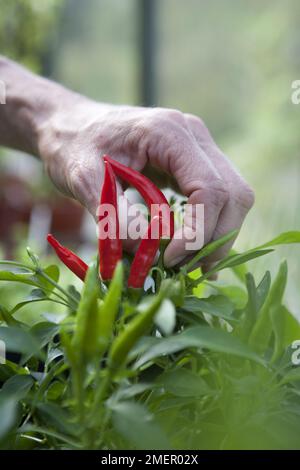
232	63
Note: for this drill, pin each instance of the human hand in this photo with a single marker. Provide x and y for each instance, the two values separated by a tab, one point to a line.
180	145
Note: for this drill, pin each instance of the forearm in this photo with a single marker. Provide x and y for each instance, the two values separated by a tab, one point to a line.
30	102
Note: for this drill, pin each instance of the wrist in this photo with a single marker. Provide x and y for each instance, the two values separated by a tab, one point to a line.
31	101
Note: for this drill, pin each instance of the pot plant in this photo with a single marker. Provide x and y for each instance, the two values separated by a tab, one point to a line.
178	362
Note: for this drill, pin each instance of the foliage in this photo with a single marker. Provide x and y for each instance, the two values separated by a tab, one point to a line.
26	30
192	365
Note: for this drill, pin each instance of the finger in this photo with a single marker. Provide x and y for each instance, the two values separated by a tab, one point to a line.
199	181
240	195
208	267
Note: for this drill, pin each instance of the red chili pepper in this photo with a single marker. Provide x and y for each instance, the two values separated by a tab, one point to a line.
150	193
110	245
145	255
72	261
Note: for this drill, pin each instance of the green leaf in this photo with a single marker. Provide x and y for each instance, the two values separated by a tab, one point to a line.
55	390
286	329
238	259
8	318
277	320
30	428
216	305
262	330
209	249
74	292
17	386
36	295
291	327
19	341
241	270
16	272
14	267
236	294
44	332
284	238
142	345
24	278
8	415
136	425
51	271
56	317
233	260
247	322
256	298
292	375
127	392
199	337
55	415
9	369
262	290
184	383
136	328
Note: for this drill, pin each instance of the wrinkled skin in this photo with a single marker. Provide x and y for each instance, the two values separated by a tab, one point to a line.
167	140
70	132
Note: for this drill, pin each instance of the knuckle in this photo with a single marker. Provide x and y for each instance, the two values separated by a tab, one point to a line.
214	192
135	138
80	180
245	196
195	121
169	115
218	192
198	126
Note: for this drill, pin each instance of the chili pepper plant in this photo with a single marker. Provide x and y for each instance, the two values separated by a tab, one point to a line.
144	357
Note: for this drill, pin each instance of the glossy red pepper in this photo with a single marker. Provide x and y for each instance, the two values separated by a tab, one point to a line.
72	261
110	245
145	255
153	197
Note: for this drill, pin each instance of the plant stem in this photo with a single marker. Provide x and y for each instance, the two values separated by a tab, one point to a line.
40	272
57	286
15	263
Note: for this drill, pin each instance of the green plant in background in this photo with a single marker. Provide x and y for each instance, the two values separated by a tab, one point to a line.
191	365
27	29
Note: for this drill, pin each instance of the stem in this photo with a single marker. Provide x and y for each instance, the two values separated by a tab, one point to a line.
160	264
15	263
43	387
57	286
46	277
101	391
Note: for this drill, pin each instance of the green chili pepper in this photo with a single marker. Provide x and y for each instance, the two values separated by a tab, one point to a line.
85	341
68	347
109	308
262	330
138	326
